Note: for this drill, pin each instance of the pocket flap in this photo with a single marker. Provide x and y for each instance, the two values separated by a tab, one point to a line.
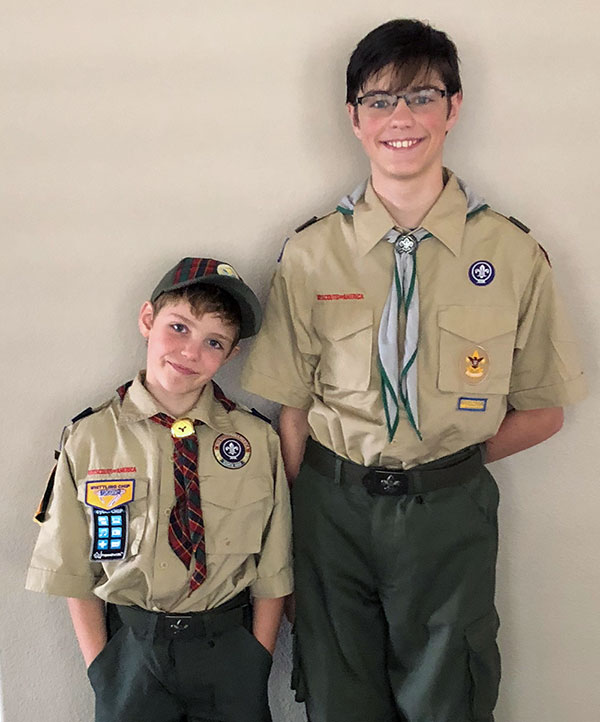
477	324
336	320
233	494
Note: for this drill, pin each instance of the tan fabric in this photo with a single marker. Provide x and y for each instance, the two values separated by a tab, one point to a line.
317	349
246	510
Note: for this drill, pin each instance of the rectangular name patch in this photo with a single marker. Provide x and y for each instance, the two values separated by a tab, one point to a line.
109	493
466	403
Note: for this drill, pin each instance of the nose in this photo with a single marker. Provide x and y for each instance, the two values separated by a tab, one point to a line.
190	350
402	115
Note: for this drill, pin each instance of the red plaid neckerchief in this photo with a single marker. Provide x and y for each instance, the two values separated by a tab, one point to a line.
186	524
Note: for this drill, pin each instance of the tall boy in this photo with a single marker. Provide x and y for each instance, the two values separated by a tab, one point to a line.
418	335
171	505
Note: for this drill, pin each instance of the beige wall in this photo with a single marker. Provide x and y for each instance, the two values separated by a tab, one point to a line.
137	132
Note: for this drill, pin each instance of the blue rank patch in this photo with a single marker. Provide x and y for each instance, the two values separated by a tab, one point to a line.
109	534
467	403
481	273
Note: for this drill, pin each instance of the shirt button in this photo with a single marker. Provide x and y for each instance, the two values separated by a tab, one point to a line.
164	565
167	512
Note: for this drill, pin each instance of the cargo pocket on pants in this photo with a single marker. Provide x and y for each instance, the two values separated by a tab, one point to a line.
484	666
297	684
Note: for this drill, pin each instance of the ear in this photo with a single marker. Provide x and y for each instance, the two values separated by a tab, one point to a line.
453	110
146	319
353	113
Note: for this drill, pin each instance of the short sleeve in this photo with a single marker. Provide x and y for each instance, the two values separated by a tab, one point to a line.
282	360
60	563
546	367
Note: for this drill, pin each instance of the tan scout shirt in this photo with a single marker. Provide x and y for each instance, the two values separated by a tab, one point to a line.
317	349
246	510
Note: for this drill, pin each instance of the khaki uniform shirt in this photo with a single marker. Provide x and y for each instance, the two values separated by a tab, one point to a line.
317	349
246	510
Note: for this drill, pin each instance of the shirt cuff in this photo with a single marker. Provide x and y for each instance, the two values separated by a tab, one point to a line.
63	585
280	585
568	392
274	390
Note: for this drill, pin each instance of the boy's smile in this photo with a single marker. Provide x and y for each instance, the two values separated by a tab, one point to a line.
184	352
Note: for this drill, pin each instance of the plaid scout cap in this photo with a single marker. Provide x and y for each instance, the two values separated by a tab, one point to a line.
209	272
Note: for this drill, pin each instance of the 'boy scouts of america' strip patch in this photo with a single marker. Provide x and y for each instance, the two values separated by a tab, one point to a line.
110	517
340	296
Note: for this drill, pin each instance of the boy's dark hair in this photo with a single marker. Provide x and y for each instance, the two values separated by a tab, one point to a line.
205	299
410	48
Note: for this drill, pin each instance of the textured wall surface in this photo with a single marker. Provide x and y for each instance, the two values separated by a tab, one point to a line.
138	132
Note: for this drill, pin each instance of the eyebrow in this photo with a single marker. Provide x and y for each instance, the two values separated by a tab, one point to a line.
189	321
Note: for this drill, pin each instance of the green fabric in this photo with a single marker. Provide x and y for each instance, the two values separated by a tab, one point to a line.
221	677
395	616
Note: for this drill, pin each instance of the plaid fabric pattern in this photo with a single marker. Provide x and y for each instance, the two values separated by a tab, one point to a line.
226	403
190	268
186	524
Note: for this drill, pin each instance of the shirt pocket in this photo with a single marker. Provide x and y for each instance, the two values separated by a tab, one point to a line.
346	336
235	514
476	348
137	511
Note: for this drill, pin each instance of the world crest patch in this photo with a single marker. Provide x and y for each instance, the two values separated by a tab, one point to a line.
481	273
232	450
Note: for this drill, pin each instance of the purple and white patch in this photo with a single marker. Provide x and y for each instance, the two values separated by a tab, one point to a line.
481	273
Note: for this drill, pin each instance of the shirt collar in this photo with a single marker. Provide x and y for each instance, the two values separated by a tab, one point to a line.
445	219
139	404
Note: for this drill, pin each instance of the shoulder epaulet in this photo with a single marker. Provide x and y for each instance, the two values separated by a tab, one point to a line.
89	411
82	414
257	413
518	224
306	224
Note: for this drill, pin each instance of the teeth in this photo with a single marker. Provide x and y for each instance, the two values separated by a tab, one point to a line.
401	143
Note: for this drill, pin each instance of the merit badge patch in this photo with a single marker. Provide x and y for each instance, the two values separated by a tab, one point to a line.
481	273
232	450
224	269
109	534
109	494
466	403
475	365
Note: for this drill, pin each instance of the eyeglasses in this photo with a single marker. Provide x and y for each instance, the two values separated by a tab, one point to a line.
378	103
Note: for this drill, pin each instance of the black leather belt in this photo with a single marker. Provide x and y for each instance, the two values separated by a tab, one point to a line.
450	470
162	625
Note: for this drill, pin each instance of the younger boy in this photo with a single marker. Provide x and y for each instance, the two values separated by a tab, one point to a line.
167	510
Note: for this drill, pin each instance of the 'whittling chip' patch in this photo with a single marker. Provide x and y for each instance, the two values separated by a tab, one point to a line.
109	493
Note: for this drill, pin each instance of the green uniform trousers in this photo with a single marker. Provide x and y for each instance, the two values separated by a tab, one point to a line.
210	672
395	617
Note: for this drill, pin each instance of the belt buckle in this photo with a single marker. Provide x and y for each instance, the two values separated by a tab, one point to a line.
386	482
177	624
